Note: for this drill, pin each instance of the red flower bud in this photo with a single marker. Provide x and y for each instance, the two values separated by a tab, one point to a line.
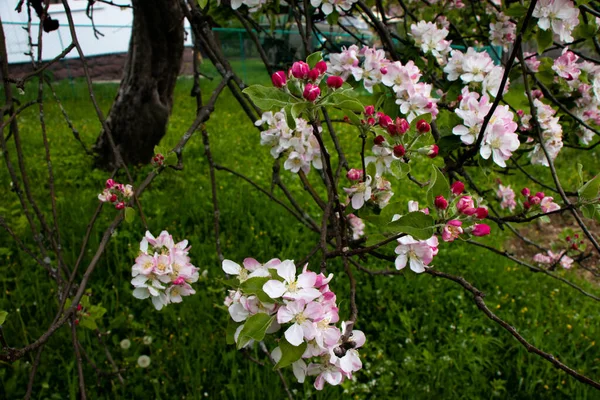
385	121
402	125
574	246
346	119
321	66
113	198
379	140
441	203
576	236
314	74
76	322
120	205
481	230
392	129
526	205
300	70
355	174
399	150
79	307
481	212
423	126
371	121
311	92
457	187
335	82
369	110
279	79
568	238
434	151
541	195
525	192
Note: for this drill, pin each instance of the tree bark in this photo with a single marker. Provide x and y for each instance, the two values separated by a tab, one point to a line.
139	115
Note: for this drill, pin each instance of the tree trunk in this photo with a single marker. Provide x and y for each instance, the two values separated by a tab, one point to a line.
139	115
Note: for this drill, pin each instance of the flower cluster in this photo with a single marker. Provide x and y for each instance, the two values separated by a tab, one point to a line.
503	32
431	39
561	15
507	197
370	65
378	191
500	138
551	258
305	308
116	193
299	145
475	67
551	134
545	203
327	6
163	262
253	5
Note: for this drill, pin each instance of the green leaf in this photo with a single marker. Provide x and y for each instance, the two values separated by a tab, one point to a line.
438	185
314	58
289	353
375	238
344	102
298	108
353	118
88	323
417	224
589	191
332	19
96	311
254	328
202	3
399	169
543	39
584	31
580	174
129	215
448	144
255	286
291	121
268	98
516	10
230	331
3	315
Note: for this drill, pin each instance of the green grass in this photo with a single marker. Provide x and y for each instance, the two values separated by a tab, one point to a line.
425	337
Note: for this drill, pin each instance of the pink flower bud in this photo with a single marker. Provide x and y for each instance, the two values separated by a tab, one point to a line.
383	70
464	203
179	281
311	92
441	203
279	79
402	125
541	195
457	187
379	140
369	110
110	183
385	121
314	74
481	230
481	212
534	200
335	82
300	70
354	174
423	126
537	94
469	211
434	150
120	205
525	192
371	121
399	150
321	66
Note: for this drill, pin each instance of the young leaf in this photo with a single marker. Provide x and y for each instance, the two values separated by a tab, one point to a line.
399	169
268	98
416	224
438	186
589	191
129	215
3	315
289	353
254	328
343	101
314	58
202	3
255	286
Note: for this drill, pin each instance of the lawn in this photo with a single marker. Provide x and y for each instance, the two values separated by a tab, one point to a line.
425	336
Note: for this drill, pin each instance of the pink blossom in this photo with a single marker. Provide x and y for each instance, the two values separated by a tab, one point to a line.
481	230
419	253
565	65
548	205
452	230
507	196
